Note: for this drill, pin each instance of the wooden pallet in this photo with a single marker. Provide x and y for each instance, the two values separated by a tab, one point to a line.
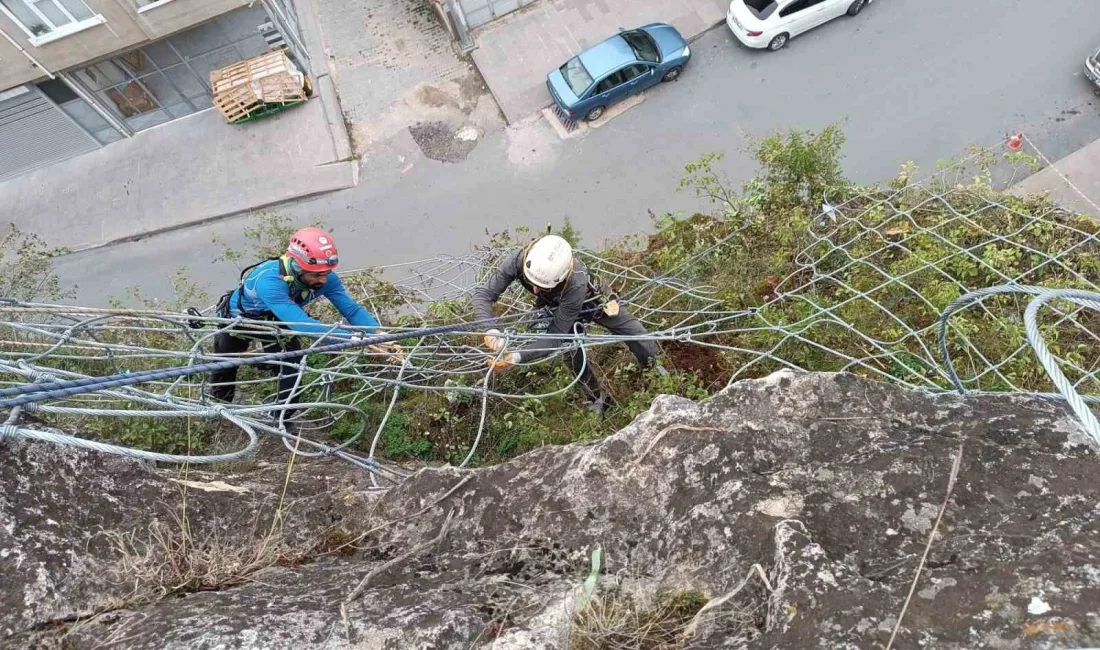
282	89
236	103
248	86
249	70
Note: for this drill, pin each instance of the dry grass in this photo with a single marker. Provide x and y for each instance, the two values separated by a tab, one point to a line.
171	560
617	621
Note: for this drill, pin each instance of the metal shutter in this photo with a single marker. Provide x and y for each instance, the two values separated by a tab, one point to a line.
35	132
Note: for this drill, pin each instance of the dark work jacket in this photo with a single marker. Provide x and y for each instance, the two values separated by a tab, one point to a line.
567	301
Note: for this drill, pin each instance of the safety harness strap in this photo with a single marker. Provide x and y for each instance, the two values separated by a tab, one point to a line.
284	273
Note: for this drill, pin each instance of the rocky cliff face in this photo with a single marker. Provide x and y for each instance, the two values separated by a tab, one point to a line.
829	483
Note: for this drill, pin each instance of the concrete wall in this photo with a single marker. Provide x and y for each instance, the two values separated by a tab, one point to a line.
13	65
125	29
479	12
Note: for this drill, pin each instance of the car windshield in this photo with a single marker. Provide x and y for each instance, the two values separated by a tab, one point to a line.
761	8
644	47
576	76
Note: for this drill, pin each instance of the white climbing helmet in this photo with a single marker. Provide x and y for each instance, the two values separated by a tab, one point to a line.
549	262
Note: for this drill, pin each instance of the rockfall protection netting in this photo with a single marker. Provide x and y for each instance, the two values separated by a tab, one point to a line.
936	286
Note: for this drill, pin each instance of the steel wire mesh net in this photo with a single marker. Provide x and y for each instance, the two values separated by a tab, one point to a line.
889	282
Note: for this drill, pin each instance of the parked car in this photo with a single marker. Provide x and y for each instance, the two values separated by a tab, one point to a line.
621	66
1092	67
771	23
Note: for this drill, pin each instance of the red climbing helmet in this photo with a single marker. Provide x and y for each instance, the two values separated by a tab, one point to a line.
313	249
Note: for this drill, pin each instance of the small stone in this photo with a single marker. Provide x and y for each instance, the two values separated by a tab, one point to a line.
468	134
1037	607
785	506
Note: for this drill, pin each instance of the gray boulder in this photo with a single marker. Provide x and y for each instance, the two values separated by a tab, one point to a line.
828	485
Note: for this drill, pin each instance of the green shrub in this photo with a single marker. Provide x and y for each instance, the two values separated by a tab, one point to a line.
26	267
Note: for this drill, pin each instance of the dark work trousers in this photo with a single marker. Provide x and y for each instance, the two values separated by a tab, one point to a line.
624	324
223	382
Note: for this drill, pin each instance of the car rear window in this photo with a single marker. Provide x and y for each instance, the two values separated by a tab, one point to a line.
576	75
761	8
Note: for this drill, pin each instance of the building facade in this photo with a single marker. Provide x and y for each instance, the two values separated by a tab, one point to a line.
76	75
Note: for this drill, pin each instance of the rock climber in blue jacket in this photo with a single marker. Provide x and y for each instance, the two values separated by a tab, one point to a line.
278	290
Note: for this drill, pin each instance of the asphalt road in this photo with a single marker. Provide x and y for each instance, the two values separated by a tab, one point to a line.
916	80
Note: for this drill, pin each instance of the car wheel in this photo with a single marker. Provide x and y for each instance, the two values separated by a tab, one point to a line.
779	41
673	74
857	7
594	114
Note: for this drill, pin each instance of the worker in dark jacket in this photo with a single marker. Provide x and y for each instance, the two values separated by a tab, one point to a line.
563	285
278	290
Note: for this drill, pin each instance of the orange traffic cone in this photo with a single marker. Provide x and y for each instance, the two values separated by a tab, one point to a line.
1016	141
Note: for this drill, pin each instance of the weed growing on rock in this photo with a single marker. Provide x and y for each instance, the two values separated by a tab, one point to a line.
618	621
171	560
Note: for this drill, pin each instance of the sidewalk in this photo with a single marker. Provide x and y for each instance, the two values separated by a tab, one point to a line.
1081	168
515	53
398	75
181	173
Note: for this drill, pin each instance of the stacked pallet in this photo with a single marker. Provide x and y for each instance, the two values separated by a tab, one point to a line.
257	85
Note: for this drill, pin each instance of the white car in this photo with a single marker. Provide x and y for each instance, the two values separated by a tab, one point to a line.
771	23
1092	68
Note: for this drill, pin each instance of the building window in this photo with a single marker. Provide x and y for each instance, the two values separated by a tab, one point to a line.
146	5
44	20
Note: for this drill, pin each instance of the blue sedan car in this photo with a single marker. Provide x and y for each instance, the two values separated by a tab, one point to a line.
617	68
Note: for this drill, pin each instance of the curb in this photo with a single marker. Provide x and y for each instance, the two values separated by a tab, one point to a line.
1059	180
334	116
225	216
310	27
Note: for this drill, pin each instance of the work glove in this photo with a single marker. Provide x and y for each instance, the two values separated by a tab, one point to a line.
504	362
494	341
395	353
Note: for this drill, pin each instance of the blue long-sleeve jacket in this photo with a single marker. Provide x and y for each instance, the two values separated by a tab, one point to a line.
265	290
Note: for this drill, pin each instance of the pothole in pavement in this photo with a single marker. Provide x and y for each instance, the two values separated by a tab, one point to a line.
445	142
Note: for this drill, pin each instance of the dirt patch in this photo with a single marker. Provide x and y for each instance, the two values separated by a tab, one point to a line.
435	98
444	142
427	110
705	363
471	87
